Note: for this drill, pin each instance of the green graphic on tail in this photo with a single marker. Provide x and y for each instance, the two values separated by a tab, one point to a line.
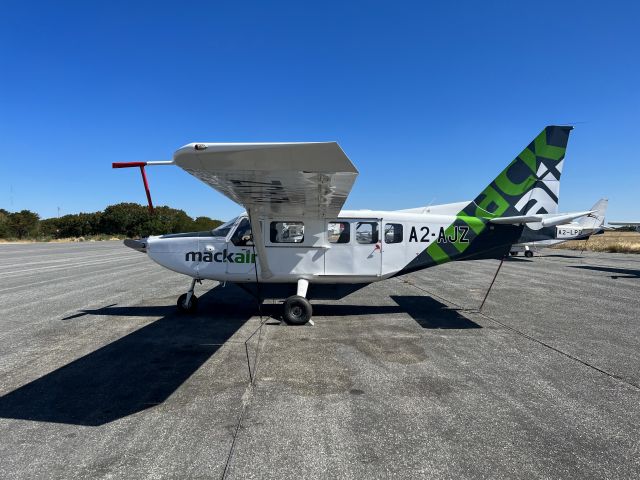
528	185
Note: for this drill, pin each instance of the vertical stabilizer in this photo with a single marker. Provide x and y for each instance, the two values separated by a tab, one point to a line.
595	220
529	185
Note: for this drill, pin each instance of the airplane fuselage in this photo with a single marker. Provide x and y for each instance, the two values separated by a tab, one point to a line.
359	246
554	236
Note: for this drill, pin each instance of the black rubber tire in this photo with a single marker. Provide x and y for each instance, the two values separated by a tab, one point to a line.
513	254
528	254
296	310
191	308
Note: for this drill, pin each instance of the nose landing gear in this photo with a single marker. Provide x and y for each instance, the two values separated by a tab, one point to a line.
188	302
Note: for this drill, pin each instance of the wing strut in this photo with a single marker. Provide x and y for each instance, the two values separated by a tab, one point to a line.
258	242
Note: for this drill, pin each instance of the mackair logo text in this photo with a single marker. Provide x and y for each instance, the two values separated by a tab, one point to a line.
245	256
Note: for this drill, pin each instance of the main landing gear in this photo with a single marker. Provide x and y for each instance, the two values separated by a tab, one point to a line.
188	302
297	309
527	253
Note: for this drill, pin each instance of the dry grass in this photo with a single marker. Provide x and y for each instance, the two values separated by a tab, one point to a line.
616	242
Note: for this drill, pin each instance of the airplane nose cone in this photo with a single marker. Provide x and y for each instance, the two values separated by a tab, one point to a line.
139	245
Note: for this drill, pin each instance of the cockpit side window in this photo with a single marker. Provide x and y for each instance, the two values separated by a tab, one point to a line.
242	236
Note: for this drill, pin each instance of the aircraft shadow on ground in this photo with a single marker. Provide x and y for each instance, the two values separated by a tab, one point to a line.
142	369
622	272
430	313
426	311
560	255
137	371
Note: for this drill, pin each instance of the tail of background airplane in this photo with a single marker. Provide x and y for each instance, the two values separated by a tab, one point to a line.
529	185
595	220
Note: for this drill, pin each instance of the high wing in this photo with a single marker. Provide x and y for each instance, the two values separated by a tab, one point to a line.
283	179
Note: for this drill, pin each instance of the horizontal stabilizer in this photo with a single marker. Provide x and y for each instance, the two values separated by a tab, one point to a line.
562	219
545	219
516	220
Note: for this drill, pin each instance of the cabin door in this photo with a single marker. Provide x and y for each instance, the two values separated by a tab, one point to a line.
354	247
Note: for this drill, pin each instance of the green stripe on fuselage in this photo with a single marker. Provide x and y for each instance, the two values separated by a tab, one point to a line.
438	255
476	227
475	223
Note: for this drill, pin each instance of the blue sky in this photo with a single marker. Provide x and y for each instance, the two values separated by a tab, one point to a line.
430	100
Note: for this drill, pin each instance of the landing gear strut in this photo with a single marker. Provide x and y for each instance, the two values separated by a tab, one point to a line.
297	309
188	302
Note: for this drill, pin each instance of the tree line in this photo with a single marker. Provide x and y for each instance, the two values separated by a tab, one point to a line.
123	219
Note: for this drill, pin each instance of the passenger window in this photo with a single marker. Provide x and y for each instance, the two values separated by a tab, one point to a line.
242	236
339	232
287	232
392	233
367	232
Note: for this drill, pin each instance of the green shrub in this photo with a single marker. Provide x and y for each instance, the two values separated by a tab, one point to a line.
121	220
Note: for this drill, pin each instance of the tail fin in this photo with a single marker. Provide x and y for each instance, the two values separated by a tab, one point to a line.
596	219
530	184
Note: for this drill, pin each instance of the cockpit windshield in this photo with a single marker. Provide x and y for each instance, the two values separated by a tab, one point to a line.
224	229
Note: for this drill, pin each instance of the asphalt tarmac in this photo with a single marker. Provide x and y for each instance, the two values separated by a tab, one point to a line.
101	378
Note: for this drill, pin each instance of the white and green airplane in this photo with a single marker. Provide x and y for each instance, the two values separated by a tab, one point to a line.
296	242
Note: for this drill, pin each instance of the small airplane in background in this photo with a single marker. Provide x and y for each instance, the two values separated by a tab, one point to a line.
296	242
535	237
626	224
